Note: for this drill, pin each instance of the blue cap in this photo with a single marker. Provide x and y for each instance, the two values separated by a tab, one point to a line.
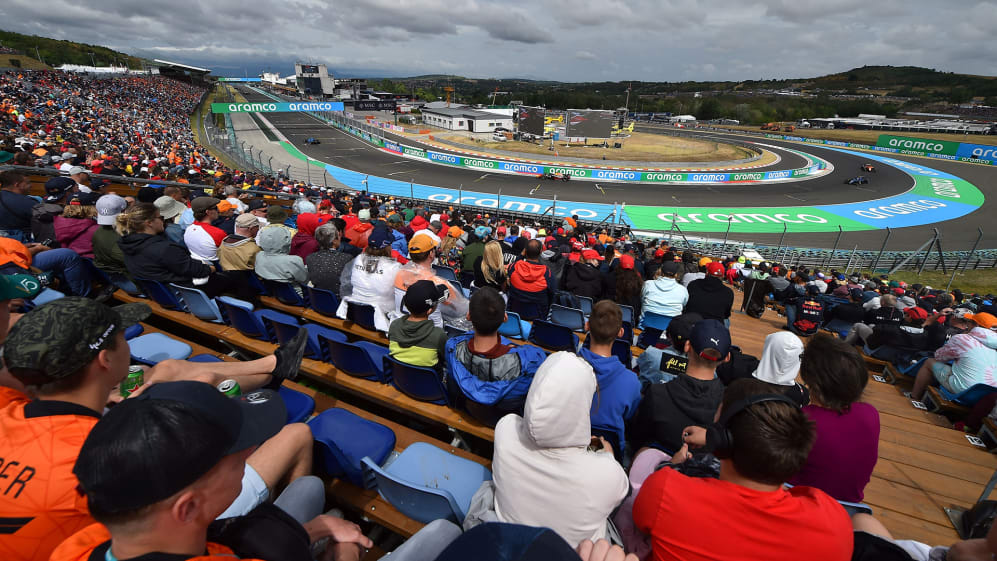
710	336
482	231
380	238
857	293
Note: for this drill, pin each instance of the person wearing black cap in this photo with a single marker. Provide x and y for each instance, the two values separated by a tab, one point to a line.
844	315
666	360
689	399
57	189
414	338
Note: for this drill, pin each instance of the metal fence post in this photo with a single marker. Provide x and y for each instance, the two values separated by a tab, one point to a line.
730	218
889	232
308	169
782	238
830	259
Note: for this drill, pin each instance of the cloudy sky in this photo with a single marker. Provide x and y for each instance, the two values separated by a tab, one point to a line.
567	40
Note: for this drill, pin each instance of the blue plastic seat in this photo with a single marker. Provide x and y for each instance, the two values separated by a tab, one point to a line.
445	273
361	314
133	331
355	359
153	348
426	483
453	331
240	315
323	301
572	318
553	337
344	440
45	296
621	350
299	405
585	303
198	303
654	320
204	358
161	294
628	314
256	283
970	396
526	310
489	414
515	327
285	292
628	332
417	382
285	326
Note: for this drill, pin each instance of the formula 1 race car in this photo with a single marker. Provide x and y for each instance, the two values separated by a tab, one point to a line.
858	180
311	140
868	168
556	176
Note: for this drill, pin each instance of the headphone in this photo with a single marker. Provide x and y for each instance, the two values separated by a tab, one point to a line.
718	435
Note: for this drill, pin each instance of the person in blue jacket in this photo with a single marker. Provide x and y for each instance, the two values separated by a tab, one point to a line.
618	388
483	366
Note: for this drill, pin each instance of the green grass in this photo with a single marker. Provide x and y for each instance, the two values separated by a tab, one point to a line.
982	281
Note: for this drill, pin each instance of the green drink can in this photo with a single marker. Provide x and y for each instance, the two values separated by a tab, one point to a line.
135	378
230	388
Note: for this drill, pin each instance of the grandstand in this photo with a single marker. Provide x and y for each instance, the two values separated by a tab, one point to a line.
132	134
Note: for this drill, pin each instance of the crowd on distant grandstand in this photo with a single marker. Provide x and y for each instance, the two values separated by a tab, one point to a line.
627	420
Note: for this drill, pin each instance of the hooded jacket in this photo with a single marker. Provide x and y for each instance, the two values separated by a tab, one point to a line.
710	298
303	243
670	407
532	282
154	257
975	356
664	296
489	381
419	343
238	253
543	474
75	234
107	254
358	233
585	280
273	261
618	394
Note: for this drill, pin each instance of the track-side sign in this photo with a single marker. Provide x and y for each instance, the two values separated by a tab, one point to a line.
275	107
240	80
917	146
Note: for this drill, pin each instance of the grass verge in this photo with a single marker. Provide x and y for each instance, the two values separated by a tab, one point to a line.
982	281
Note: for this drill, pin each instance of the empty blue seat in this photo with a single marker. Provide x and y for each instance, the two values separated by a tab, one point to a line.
417	382
285	326
161	294
299	406
969	397
553	337
152	348
356	359
445	273
361	314
569	317
345	440
241	315
43	297
323	301
628	314
426	483
198	303
585	303
285	292
654	320
515	327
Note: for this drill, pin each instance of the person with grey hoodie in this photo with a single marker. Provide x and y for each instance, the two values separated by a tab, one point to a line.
273	261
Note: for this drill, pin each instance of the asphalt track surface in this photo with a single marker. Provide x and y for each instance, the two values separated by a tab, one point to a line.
341	149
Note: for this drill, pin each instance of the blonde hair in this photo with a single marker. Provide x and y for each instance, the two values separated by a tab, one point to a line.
446	246
79	211
491	261
133	218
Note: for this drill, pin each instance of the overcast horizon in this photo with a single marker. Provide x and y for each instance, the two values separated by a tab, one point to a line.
562	40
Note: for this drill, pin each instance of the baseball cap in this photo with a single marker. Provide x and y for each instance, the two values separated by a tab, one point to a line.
705	261
741	259
168	207
482	231
592	254
364	214
276	214
626	262
225	206
710	339
43	346
57	187
423	295
915	312
166	439
78	169
108	209
202	204
500	231
658	253
246	221
257	204
84	198
670	268
680	328
983	319
380	238
856	293
577	245
422	243
18	286
714	269
395	218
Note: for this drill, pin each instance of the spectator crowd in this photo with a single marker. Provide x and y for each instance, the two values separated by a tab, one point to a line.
693	450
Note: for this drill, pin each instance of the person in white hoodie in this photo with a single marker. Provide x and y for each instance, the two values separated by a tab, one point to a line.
547	469
664	296
780	364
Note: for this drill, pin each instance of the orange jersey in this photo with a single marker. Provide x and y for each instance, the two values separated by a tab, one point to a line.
93	542
39	503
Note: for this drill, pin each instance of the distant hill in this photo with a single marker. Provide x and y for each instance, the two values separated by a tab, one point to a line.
55	52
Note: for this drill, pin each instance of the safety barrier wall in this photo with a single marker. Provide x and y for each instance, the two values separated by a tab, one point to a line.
944	150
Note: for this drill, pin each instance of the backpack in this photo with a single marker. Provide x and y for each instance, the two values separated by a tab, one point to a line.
43	225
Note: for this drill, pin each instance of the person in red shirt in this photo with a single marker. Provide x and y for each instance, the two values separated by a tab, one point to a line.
746	514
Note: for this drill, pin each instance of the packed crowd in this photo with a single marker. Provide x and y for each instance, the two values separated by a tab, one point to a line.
695	450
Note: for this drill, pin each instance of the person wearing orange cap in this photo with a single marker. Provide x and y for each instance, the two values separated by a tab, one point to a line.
973	356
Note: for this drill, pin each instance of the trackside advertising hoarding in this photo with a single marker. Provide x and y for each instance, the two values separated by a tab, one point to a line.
240	79
276	107
917	146
964	152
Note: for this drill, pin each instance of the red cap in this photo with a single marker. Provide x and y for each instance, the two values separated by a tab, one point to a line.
500	230
659	253
593	254
560	231
898	291
524	234
577	245
915	312
715	269
626	262
592	240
